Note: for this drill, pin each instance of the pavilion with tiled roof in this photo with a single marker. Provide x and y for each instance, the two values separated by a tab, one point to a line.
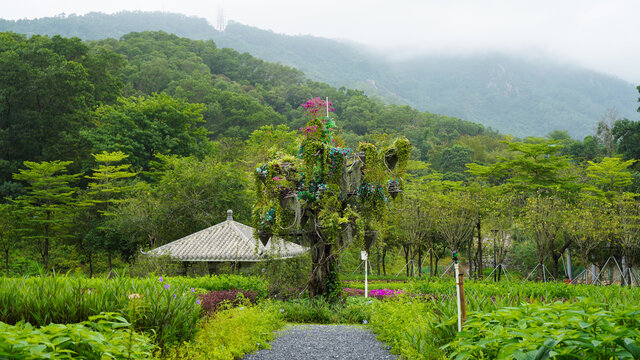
228	241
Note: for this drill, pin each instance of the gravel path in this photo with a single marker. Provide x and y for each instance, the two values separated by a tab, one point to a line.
318	342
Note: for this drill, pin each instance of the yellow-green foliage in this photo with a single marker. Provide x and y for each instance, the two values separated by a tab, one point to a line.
231	333
406	325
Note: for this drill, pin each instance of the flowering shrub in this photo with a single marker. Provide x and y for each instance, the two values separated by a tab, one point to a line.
316	106
375	293
213	300
384	293
353	292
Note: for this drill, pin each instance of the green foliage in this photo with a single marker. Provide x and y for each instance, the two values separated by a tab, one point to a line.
230	334
104	336
189	196
45	94
559	330
627	134
167	309
353	310
104	188
407	325
143	127
510	316
610	175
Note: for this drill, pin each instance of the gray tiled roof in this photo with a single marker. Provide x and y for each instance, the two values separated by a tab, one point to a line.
227	241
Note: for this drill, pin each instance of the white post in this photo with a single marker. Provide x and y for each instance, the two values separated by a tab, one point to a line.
458	297
593	274
569	272
623	277
363	255
327	103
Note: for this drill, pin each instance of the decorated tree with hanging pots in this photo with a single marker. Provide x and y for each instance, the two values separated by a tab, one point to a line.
328	197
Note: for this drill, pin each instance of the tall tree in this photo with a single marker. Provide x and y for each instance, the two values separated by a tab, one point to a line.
328	194
105	190
49	204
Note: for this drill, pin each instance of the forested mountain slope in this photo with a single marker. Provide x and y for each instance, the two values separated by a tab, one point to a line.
514	95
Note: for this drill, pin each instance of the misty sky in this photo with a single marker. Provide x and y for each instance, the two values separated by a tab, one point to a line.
599	34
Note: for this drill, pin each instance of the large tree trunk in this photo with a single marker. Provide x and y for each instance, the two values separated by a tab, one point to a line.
324	277
556	267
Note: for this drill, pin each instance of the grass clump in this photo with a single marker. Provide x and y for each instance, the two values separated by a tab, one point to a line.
352	310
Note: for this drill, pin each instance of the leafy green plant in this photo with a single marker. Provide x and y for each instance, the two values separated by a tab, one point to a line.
541	331
104	336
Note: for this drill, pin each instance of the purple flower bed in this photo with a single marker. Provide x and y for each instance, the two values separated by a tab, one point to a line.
378	294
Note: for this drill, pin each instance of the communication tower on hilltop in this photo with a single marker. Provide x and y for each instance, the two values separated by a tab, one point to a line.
221	22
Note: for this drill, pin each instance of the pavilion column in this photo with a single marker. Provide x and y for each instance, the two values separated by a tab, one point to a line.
213	267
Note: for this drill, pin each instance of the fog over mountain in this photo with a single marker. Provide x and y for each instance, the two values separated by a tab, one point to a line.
595	34
530	94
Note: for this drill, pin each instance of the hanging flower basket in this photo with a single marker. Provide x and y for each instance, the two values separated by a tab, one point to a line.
262	172
393	188
369	238
264	237
346	233
391	158
287	168
288	200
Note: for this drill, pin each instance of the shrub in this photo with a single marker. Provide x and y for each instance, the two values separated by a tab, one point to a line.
225	282
230	334
213	300
379	294
319	311
107	335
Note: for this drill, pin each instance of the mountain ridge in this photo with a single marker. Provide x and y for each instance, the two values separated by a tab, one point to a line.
513	95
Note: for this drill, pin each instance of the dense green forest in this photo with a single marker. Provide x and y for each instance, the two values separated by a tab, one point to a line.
514	95
110	146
